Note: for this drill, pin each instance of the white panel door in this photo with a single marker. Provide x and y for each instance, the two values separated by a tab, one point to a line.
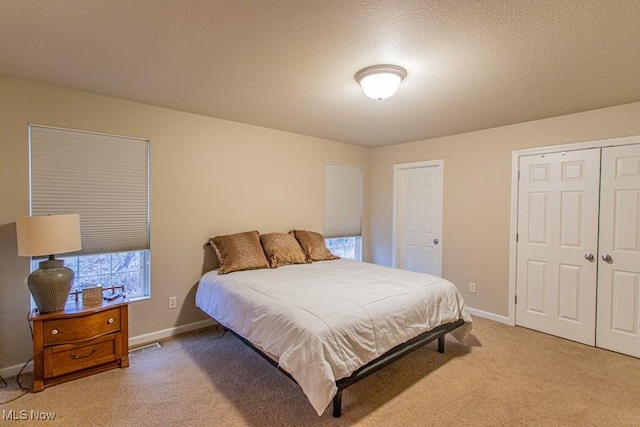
619	270
557	244
420	219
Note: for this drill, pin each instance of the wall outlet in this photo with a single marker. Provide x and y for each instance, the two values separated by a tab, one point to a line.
472	287
173	302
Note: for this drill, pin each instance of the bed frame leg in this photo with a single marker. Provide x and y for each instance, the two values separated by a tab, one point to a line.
337	404
441	344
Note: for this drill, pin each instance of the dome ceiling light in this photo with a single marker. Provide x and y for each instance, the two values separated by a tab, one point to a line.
380	81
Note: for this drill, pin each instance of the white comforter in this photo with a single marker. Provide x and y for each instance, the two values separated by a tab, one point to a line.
325	320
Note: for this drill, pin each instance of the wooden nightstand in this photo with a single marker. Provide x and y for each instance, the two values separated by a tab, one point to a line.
79	341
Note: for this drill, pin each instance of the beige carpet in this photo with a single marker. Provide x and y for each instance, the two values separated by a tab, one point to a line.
504	376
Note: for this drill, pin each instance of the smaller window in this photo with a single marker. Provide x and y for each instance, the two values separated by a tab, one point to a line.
346	247
130	269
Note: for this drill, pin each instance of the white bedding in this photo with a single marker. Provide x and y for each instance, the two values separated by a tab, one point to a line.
325	320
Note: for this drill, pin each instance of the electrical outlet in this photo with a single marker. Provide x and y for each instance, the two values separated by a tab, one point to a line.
173	302
472	287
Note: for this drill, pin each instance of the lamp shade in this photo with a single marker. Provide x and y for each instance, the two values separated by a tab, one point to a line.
380	81
48	234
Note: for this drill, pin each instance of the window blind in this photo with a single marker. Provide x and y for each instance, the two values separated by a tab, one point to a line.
342	201
104	178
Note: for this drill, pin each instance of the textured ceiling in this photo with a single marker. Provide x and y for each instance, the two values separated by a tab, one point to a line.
289	64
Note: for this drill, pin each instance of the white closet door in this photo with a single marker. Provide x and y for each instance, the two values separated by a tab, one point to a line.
619	264
557	234
420	215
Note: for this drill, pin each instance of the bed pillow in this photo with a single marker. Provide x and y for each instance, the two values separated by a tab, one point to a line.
313	245
282	249
241	251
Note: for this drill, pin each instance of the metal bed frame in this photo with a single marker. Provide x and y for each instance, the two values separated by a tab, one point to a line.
390	356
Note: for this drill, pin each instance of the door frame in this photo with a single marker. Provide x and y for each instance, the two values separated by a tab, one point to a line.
396	195
515	161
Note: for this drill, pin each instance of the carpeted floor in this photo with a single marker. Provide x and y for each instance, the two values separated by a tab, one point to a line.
503	376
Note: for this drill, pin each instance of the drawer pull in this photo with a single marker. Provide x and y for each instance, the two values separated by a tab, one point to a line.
110	321
75	356
54	332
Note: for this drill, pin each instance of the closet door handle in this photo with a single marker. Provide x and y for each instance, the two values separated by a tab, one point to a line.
589	256
607	258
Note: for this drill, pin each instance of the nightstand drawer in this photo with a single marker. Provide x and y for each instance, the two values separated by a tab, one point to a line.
81	328
62	359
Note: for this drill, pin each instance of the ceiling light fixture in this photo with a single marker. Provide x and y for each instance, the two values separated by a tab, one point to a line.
380	81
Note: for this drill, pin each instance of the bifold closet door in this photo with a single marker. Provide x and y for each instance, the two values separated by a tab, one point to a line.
558	243
618	324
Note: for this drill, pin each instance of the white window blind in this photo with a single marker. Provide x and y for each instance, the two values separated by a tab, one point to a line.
104	178
342	201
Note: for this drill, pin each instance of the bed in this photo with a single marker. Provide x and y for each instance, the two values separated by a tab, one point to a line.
330	323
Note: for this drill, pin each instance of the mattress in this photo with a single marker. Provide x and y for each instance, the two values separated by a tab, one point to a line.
322	321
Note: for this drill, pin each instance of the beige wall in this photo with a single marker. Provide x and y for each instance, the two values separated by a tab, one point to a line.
208	177
477	198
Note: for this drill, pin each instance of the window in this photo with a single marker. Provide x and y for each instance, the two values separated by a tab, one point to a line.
130	269
105	179
343	210
346	247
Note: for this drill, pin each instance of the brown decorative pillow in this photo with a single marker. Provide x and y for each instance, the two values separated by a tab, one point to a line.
241	251
282	249
313	245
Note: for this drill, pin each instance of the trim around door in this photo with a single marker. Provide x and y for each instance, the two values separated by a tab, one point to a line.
515	161
396	173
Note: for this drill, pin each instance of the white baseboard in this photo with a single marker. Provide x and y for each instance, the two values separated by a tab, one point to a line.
490	316
166	333
12	371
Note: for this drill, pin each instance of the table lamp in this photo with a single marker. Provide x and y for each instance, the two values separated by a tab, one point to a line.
49	235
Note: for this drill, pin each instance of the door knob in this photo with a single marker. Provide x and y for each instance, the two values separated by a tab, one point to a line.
589	256
435	241
607	258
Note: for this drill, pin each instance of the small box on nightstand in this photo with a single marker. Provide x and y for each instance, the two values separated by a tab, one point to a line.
92	295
